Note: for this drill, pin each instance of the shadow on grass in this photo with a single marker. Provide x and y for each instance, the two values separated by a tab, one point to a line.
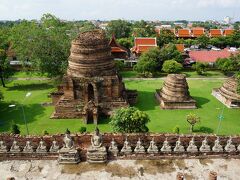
204	129
201	101
146	100
14	115
104	120
30	87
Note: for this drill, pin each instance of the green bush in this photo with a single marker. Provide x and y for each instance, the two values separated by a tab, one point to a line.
176	129
200	68
82	129
67	131
15	129
171	66
129	120
119	65
45	132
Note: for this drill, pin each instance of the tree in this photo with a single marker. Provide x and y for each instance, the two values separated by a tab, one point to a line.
126	42
171	66
200	68
143	29
165	37
192	119
129	120
120	28
5	69
45	45
203	41
225	64
1	96
148	61
169	52
119	65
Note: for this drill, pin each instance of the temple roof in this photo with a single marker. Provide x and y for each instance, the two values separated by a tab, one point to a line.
196	32
184	33
215	32
143	44
227	32
115	47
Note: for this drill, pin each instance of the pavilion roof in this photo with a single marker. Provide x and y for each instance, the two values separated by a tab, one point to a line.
227	32
215	33
143	44
184	33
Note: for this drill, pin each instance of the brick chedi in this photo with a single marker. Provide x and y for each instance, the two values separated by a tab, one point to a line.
227	94
92	85
174	93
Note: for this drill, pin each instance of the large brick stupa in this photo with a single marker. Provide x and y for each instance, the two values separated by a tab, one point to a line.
92	85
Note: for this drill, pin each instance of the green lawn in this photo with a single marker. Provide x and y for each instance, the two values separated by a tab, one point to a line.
189	74
161	120
28	74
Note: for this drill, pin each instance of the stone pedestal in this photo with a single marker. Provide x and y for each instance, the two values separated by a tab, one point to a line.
68	156
68	153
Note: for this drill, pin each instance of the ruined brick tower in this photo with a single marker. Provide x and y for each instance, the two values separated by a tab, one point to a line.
91	86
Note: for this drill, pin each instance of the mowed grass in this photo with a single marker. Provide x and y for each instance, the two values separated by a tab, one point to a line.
189	74
162	121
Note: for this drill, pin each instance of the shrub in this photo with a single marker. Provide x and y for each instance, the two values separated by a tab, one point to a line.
67	131
119	65
129	120
176	129
225	64
45	132
15	129
192	119
200	68
171	66
82	129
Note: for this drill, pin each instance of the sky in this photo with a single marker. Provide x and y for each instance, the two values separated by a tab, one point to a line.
121	9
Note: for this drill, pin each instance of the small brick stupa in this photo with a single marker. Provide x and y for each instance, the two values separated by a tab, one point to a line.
227	94
174	93
92	85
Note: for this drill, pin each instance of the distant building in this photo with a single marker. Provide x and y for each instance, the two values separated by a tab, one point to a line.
198	31
118	52
211	56
143	44
184	33
228	32
215	33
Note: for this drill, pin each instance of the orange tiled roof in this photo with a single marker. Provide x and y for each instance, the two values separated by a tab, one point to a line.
184	33
228	32
215	33
197	32
180	47
143	44
115	47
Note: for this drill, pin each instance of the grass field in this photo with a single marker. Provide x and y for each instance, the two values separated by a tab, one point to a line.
161	120
189	74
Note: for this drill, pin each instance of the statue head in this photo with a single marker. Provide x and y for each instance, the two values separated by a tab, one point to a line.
97	132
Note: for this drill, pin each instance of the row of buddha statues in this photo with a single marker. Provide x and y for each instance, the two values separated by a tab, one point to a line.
97	153
97	144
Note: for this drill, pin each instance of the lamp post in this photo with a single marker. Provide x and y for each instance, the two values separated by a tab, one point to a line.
24	117
220	117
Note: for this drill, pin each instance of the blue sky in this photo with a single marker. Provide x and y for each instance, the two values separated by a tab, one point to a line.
121	9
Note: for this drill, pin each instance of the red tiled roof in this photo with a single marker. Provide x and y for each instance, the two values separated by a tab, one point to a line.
184	33
197	32
144	44
228	32
115	47
215	32
209	56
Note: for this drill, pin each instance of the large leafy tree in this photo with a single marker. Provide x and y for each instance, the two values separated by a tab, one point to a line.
143	29
120	28
165	37
203	41
45	45
129	120
5	69
170	52
148	62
